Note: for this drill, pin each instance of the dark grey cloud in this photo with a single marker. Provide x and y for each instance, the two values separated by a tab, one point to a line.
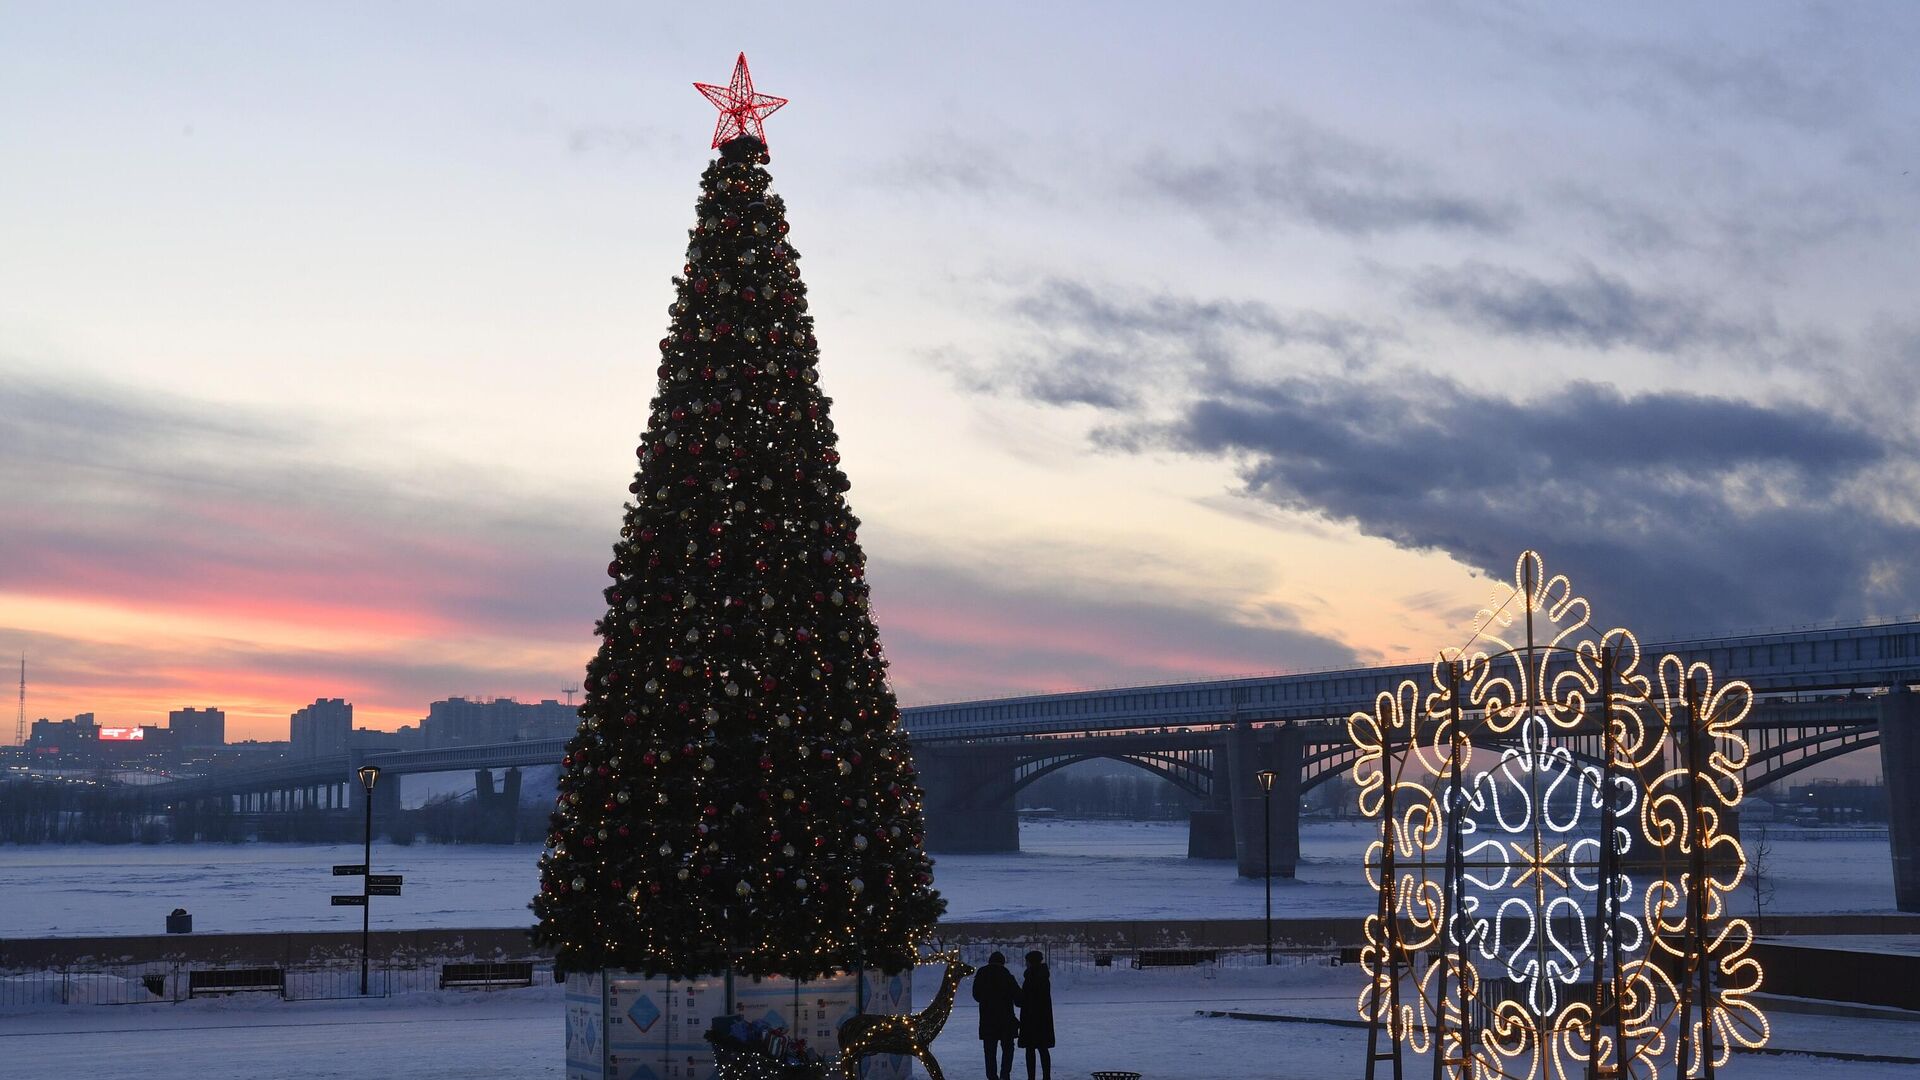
1590	308
1283	166
1706	79
959	164
1800	67
614	139
1279	167
1756	234
1680	512
1113	348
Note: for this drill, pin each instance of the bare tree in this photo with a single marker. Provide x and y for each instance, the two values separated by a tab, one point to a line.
1760	866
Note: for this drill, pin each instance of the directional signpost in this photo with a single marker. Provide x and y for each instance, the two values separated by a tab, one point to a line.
374	885
371	884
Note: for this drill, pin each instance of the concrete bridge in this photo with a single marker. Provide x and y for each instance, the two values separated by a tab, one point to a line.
330	786
1212	737
972	784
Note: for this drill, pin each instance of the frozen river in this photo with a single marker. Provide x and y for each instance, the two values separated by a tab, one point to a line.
1066	870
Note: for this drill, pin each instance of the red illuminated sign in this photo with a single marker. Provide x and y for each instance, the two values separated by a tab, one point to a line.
122	734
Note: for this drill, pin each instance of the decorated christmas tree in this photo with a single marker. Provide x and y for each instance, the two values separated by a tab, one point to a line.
739	794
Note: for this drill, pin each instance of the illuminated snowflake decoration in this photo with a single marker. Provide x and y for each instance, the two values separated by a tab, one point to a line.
1542	890
1552	863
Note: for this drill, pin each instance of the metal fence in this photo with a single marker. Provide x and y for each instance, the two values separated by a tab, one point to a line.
160	984
1060	954
166	983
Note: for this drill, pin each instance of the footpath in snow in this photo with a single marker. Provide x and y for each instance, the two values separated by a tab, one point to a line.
1108	1018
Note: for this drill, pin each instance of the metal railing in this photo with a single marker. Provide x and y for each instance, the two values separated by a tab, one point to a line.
165	983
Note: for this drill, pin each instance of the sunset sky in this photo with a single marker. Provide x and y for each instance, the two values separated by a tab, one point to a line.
1164	340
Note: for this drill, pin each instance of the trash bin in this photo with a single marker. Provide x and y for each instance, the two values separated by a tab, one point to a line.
179	922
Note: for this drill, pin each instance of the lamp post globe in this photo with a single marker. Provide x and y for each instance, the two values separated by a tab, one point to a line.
369	775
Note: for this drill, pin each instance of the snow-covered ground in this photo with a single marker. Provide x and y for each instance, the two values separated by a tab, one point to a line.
1108	1018
1066	870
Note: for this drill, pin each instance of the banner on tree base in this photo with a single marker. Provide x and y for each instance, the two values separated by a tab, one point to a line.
622	1026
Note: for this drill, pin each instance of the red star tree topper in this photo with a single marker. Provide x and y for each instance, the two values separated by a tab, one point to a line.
741	109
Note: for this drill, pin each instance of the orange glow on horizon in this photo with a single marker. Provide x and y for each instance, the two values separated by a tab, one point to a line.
259	663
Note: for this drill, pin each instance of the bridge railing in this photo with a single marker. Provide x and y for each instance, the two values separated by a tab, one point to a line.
1803	661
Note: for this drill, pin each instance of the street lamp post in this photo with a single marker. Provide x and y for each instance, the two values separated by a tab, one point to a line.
369	775
1265	776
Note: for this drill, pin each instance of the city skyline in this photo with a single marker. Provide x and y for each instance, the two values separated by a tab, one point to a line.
324	337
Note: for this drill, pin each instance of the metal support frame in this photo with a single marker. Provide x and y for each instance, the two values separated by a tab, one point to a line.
1391	947
1696	945
1451	960
1607	977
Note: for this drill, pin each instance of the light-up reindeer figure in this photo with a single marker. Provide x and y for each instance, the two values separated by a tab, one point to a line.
908	1033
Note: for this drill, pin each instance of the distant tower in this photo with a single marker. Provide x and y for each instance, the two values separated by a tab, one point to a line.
20	718
570	691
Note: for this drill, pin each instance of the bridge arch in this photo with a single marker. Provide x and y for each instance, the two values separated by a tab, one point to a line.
1776	759
1190	771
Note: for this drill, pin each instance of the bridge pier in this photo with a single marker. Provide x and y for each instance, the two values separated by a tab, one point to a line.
1248	752
1900	765
1210	833
499	813
969	792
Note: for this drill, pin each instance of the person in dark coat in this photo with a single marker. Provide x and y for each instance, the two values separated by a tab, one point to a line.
996	991
1036	1015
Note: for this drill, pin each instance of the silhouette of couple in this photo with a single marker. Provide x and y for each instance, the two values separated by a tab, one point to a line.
998	994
